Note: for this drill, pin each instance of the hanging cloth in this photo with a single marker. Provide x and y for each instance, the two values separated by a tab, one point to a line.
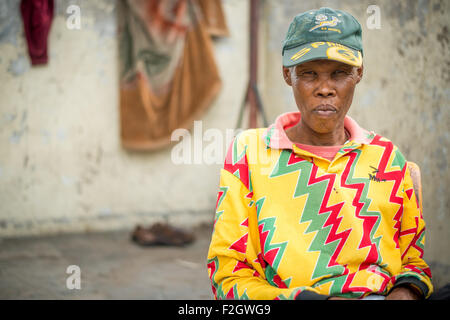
37	18
168	75
214	17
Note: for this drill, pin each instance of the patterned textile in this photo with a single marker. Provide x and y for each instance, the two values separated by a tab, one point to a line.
289	222
168	72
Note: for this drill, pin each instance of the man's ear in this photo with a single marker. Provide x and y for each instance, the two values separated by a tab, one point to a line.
287	75
359	72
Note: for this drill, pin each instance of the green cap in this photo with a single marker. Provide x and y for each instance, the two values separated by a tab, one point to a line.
323	34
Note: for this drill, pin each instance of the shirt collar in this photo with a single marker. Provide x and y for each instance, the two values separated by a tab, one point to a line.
275	137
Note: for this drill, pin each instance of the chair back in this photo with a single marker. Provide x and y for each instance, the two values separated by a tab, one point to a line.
417	182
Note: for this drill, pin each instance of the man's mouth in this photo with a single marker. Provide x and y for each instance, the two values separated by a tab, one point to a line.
325	110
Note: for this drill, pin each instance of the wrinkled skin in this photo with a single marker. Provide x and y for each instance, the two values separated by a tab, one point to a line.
323	91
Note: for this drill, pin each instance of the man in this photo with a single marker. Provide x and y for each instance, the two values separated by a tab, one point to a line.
315	207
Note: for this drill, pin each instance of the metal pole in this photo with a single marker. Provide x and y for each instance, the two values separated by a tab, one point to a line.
252	96
254	21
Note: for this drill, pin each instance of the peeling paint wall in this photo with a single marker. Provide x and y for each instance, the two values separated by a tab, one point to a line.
62	168
404	94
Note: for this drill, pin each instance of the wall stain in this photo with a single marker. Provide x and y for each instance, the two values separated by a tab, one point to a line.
442	37
19	66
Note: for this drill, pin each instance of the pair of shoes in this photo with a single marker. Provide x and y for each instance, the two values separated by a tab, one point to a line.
161	234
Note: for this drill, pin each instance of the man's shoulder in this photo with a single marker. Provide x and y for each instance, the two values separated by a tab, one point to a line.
250	137
389	149
382	141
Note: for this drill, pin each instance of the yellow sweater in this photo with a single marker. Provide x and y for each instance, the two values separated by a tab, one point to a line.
290	224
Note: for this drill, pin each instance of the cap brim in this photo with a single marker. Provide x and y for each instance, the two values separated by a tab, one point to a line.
321	50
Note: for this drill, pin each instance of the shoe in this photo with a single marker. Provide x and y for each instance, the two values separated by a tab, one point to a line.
161	234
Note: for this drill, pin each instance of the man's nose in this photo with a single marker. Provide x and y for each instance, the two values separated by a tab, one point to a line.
325	88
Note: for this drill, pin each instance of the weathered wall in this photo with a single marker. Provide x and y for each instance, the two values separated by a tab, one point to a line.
62	168
403	96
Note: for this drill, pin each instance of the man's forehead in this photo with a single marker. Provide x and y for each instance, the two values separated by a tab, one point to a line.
323	63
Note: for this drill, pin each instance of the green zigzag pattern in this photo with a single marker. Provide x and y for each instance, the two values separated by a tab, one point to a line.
222	296
315	193
292	295
224	191
367	201
310	213
268	226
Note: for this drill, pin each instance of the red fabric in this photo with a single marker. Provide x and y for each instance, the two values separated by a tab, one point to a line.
327	152
37	18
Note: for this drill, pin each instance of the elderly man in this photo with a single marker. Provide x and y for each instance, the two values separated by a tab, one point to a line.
315	207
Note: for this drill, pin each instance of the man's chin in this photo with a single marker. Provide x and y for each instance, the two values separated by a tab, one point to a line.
325	123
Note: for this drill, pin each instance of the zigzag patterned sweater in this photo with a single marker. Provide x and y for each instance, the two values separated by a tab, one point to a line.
290	224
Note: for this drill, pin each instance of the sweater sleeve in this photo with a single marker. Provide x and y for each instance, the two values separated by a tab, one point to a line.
414	272
235	265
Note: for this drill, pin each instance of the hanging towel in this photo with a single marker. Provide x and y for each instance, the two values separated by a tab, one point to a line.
168	75
37	18
214	17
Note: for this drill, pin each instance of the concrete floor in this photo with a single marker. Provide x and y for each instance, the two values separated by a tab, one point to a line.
112	267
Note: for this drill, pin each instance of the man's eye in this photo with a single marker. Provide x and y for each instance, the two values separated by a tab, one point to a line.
308	74
340	72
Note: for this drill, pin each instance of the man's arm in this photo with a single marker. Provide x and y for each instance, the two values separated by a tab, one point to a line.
414	280
233	263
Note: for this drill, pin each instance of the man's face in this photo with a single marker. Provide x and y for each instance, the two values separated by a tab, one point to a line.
323	91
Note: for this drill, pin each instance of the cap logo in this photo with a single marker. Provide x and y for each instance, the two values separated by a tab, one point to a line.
321	17
322	22
344	55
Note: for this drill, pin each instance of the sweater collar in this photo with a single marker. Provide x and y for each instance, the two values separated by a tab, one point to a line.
275	136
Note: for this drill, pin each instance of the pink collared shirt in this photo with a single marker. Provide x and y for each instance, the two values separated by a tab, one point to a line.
280	140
